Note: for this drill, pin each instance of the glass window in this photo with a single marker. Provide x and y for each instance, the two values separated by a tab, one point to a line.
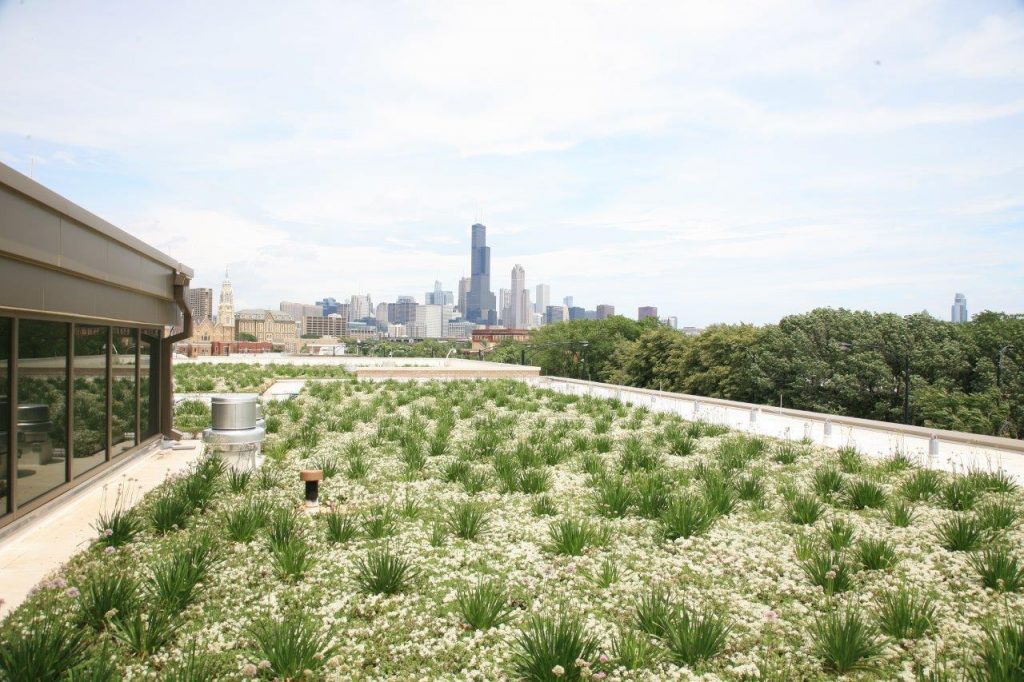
149	382
42	409
90	396
123	424
5	410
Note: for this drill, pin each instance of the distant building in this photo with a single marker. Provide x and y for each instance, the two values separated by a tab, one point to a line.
431	322
460	329
397	331
464	283
484	339
226	309
402	311
332	325
543	299
645	311
200	302
567	301
328	305
691	331
556	313
604	311
361	307
670	321
958	313
480	303
439	297
520	300
271	326
301	310
382	315
577	313
505	307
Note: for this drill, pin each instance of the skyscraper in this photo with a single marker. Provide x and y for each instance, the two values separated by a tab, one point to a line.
517	320
439	297
226	309
480	304
360	306
463	294
505	307
604	311
645	311
958	312
543	298
567	301
200	302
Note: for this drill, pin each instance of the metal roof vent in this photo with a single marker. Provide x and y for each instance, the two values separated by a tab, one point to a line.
238	430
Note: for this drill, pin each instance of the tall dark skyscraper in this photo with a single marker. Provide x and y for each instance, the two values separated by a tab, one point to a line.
480	302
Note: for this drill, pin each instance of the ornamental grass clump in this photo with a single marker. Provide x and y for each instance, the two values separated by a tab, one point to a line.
104	594
850	461
291	559
838	534
329	464
1001	655
652	494
900	514
242	523
633	651
686	516
680	443
170	510
282	526
788	452
572	536
543	506
119	526
382	572
340	527
719	494
804	510
43	651
736	452
876	554
379	522
238	480
960	494
845	642
468	520
357	467
997	481
828	481
613	496
959	533
999	569
455	470
638	457
532	481
145	633
998	515
694	636
905	614
485	605
652	610
750	488
922	485
174	582
829	570
292	645
864	494
550	649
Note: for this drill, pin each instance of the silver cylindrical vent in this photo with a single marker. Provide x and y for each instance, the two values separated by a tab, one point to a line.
234	412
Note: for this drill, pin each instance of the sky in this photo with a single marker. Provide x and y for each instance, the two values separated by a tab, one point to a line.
724	162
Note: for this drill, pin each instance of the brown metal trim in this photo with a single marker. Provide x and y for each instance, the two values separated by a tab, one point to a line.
47	316
12	468
181	282
138	387
69	408
82	276
110	393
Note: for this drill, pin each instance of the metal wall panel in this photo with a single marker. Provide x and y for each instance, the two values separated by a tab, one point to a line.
27	229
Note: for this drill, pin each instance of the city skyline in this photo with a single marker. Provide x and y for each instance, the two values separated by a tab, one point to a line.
876	169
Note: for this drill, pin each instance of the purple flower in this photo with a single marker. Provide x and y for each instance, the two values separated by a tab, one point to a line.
72	592
109	550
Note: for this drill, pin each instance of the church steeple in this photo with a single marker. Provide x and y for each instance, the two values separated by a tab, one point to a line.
226	309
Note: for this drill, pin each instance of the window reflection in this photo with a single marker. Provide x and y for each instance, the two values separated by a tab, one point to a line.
5	407
42	413
123	424
90	396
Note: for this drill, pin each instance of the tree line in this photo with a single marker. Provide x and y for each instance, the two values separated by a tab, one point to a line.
827	360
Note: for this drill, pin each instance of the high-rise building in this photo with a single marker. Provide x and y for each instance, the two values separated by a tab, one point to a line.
543	298
382	315
526	311
480	304
226	309
556	313
518	318
604	311
329	305
330	325
958	313
645	311
402	311
361	307
301	310
567	301
505	307
200	302
577	313
438	296
670	321
431	321
464	283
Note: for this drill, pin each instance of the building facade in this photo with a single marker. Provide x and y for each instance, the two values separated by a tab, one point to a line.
645	311
270	326
543	299
604	311
226	309
438	296
332	325
556	313
200	302
85	365
958	313
464	283
301	310
518	292
480	303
